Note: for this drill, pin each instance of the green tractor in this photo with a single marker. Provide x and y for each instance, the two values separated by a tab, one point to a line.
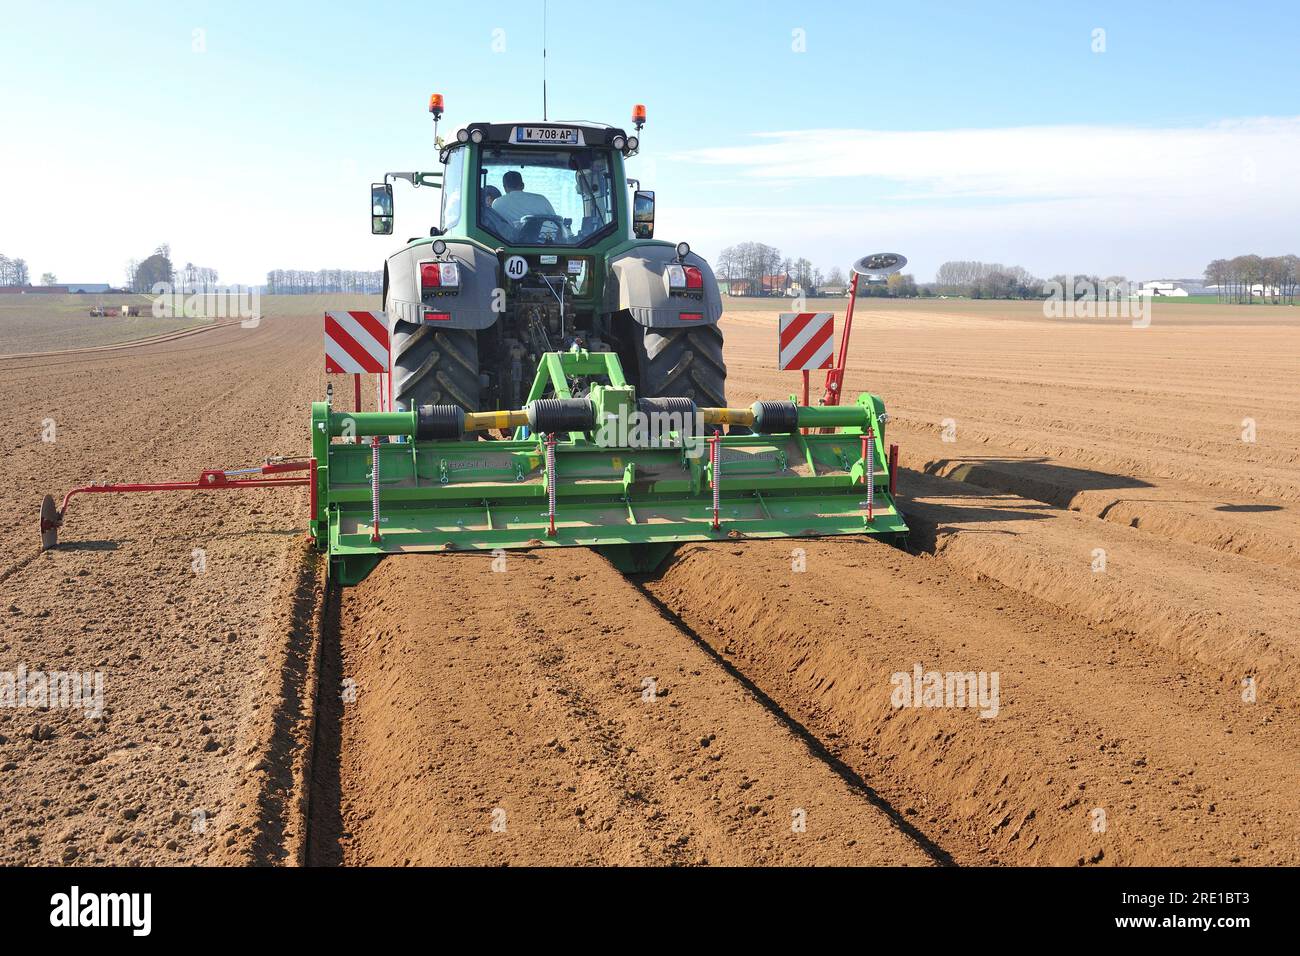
544	246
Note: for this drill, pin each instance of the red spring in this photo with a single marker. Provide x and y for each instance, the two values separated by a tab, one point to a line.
551	477
869	470
715	473
374	489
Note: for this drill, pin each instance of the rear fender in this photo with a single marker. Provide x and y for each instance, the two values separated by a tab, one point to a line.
469	308
635	283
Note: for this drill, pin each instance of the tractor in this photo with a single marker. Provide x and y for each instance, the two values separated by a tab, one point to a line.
544	245
551	375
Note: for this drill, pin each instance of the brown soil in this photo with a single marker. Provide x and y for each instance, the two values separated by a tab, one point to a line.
549	714
191	647
1132	435
1087	722
1122	688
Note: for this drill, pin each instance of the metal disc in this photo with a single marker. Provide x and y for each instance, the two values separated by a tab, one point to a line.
49	524
879	264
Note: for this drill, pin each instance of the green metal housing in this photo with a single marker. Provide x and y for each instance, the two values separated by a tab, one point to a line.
633	504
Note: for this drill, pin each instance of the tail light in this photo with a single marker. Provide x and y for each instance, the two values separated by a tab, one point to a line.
683	278
439	277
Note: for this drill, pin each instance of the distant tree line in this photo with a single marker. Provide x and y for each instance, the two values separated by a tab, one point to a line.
756	268
13	271
986	280
900	285
191	276
748	263
1247	278
304	282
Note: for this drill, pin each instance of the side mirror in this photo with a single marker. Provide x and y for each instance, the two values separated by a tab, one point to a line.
643	214
381	209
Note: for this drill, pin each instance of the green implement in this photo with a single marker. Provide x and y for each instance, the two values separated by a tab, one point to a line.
601	469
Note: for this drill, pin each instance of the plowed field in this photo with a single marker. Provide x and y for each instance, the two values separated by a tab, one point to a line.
1087	654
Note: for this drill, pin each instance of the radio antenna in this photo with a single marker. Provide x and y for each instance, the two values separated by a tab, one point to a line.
544	61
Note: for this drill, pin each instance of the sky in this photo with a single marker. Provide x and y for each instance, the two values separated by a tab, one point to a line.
1137	139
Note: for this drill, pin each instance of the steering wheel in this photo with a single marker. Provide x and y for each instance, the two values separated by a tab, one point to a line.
541	229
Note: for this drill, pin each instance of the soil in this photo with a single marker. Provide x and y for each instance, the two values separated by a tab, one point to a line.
178	601
1104	517
547	713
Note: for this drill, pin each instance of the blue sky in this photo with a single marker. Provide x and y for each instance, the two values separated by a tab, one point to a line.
994	131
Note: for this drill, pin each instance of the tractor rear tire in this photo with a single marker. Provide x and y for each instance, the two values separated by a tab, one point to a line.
433	366
683	362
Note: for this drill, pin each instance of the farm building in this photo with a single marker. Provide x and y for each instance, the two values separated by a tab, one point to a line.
1174	287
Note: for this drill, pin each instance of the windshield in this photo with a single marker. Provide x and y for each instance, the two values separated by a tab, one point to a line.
544	197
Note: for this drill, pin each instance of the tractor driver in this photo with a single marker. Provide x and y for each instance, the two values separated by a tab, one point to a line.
516	204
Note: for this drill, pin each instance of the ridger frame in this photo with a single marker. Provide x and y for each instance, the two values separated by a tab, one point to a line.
561	486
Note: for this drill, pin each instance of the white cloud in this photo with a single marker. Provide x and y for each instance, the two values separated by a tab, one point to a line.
1111	199
1031	161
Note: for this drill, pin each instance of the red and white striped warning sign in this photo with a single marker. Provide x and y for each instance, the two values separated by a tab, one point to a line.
356	342
806	340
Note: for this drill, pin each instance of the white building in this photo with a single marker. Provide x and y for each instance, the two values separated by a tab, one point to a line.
1162	287
1174	287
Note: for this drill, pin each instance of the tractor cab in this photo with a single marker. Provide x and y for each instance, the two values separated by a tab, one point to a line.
528	185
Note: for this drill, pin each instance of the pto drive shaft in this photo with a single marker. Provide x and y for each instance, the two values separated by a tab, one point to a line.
578	414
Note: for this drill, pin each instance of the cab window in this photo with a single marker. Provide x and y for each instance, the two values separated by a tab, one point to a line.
452	187
536	196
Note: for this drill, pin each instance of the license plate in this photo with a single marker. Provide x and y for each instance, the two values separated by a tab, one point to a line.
548	134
